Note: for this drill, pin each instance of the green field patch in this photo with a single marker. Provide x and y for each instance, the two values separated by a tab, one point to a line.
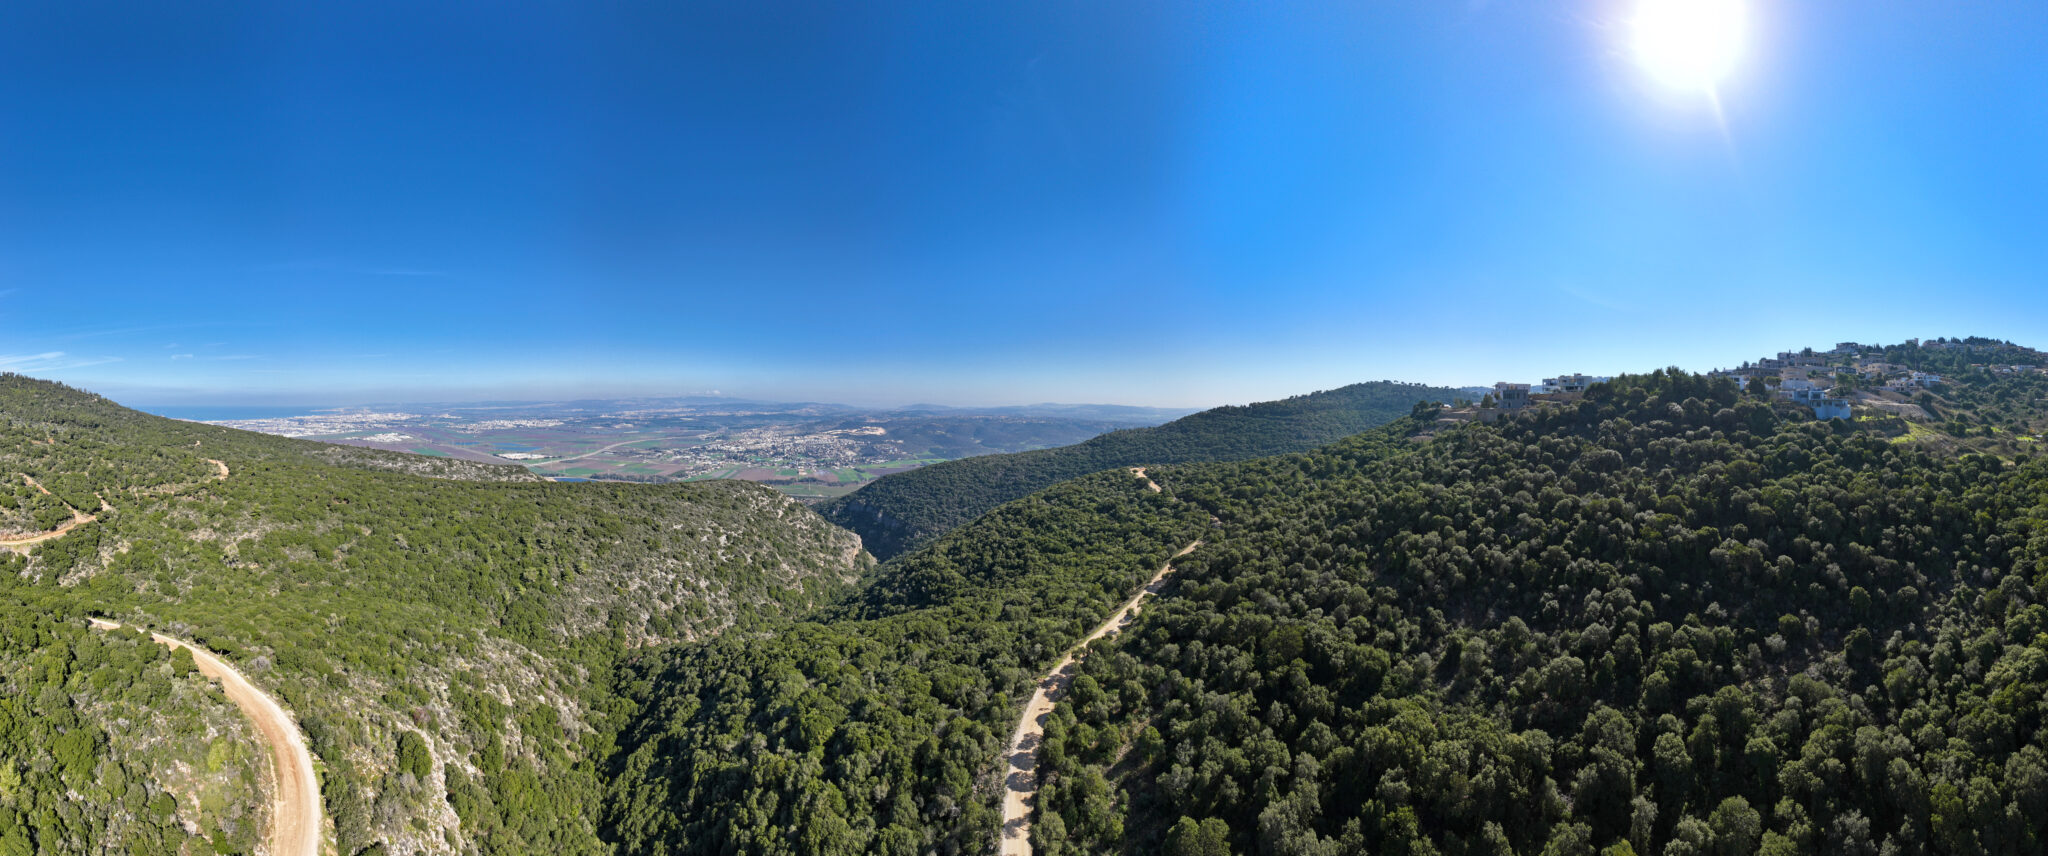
1916	431
907	463
431	453
786	472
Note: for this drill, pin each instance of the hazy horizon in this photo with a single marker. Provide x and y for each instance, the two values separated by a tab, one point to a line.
993	205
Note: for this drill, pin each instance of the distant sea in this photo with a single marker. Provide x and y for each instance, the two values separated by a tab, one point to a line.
224	413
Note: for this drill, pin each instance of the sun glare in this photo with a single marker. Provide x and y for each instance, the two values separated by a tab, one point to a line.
1689	44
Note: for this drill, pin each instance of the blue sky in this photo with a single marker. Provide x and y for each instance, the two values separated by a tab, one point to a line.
1171	204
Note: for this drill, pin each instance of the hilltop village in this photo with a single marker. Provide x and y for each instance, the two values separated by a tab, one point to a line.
1849	381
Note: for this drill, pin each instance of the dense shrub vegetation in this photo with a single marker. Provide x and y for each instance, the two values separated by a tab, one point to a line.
109	743
447	645
900	512
1667	618
1663	620
873	728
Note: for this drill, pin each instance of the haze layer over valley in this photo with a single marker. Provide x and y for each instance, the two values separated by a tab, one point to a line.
809	451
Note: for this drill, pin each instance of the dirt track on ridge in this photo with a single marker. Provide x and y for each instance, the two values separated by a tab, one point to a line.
1020	785
295	821
79	518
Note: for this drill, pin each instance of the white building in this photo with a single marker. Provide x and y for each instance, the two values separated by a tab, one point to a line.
1572	382
1824	406
1831	408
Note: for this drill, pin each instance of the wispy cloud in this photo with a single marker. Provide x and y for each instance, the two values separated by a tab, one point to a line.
92	332
49	361
226	357
12	360
181	356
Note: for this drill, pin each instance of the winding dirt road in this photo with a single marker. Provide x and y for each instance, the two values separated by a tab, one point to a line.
1020	787
295	822
80	518
77	520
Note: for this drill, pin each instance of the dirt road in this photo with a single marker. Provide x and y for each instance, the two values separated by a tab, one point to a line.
1020	786
295	822
77	520
80	518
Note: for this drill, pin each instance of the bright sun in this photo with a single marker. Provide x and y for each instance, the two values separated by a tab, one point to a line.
1689	44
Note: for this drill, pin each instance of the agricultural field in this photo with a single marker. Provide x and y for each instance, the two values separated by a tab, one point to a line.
808	451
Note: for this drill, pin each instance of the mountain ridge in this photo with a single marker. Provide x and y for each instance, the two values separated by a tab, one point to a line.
900	512
1535	634
446	643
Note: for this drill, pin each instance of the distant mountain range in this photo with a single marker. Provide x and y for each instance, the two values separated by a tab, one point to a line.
1097	412
1128	414
804	449
899	512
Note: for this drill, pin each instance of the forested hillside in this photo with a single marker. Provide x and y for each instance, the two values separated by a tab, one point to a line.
447	644
900	512
110	744
873	728
1667	618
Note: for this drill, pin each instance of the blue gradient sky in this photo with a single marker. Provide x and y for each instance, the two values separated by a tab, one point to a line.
1183	204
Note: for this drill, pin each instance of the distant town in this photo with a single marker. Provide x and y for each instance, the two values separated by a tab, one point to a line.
810	451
